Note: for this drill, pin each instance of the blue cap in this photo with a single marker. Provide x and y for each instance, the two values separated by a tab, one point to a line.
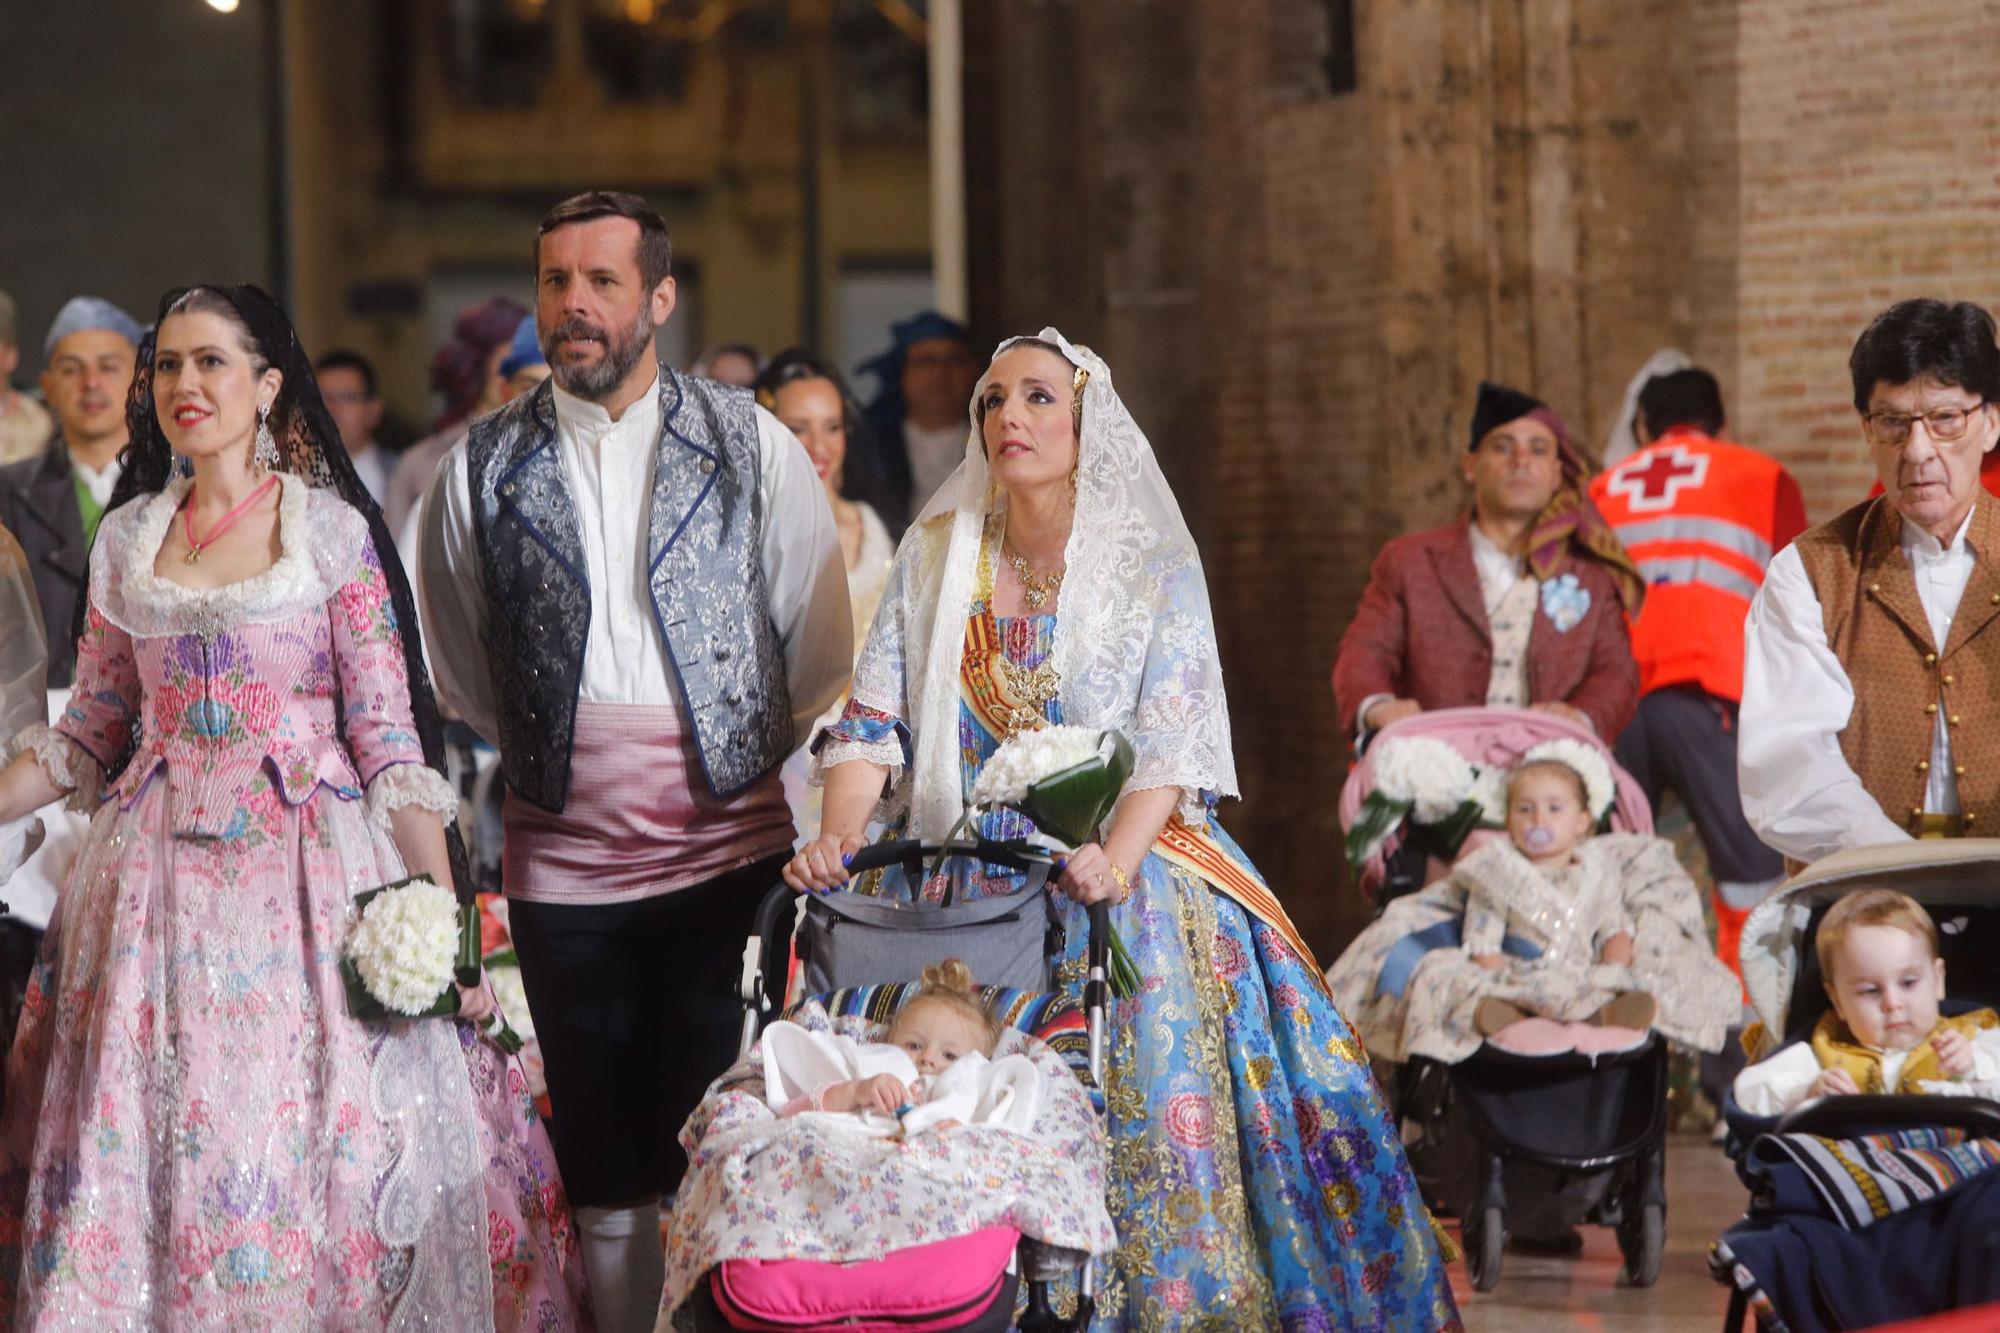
907	333
83	313
524	351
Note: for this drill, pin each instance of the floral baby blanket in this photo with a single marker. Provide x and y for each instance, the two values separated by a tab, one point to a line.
812	1187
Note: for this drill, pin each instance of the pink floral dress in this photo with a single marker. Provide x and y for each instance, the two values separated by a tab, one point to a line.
195	1134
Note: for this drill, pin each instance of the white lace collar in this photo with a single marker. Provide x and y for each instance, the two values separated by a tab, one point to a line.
318	544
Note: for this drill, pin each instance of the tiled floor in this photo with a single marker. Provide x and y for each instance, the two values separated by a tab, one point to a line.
1542	1295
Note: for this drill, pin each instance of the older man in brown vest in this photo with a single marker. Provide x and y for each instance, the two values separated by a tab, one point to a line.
1871	689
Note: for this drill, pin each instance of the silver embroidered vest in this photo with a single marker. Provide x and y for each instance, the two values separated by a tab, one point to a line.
704	574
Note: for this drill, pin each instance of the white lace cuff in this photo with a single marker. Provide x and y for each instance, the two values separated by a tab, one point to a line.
68	764
887	752
411	784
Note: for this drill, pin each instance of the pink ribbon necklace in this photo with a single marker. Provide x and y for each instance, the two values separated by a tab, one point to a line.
222	525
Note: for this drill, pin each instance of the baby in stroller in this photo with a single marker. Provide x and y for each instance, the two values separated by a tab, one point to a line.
1878	957
827	1143
1548	940
1869	1205
933	1071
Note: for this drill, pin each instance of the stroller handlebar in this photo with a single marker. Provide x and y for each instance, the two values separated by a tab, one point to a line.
759	960
1014	854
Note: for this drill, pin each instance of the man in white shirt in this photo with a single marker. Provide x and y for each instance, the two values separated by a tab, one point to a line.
51	502
631	584
1872	661
347	382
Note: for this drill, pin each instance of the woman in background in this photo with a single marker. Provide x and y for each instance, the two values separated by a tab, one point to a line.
809	397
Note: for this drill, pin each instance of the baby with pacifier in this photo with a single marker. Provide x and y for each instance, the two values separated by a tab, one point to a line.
1554	938
1878	958
1542	895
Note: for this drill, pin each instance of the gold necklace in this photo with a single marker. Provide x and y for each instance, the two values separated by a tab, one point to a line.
1035	588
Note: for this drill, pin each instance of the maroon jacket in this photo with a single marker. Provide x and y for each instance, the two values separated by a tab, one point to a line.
1421	633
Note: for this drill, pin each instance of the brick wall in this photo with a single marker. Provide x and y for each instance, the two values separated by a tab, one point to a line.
1869	160
1299	290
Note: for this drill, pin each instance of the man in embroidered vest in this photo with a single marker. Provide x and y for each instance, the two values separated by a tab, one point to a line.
52	501
1871	682
1519	604
633	586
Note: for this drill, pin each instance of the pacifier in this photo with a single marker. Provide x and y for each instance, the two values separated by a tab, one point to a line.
1540	838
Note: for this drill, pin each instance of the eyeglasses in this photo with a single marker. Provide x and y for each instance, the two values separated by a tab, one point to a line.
1944	424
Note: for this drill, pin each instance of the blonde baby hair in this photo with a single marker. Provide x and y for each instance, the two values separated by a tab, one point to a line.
1871	907
950	984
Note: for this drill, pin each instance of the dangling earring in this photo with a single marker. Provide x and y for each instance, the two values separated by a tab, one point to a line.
267	447
183	465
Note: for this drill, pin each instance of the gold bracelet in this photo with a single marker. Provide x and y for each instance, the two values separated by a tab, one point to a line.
1124	882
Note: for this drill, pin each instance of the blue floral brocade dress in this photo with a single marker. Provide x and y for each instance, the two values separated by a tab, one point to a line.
1255	1169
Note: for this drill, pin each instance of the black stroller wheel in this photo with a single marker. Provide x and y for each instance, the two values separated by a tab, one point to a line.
1483	1248
1642	1239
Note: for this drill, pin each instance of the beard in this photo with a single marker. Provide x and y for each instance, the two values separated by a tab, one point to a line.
598	380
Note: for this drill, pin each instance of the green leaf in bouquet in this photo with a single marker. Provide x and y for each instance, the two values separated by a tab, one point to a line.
1378	819
361	1004
1071	804
1125	979
501	1033
1446	836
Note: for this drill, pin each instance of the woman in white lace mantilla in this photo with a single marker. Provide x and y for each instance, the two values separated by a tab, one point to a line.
196	1134
1053	580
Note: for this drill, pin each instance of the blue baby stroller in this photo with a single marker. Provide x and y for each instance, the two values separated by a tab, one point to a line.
856	955
1865	1209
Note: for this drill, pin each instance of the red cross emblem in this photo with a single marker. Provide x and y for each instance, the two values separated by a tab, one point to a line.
1653	483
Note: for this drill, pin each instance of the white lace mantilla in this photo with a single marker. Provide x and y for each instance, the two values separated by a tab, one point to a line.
320	539
1135	643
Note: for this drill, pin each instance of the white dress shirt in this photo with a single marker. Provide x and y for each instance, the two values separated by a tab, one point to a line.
609	467
934	454
100	484
1499	569
372	466
1775	1085
1799	793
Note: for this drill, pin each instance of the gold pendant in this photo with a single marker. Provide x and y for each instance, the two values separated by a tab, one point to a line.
193	557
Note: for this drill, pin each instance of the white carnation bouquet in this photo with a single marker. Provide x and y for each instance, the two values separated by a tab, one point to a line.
1066	779
407	951
1428	784
1012	771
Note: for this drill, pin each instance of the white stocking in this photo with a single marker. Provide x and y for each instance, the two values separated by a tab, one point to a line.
625	1265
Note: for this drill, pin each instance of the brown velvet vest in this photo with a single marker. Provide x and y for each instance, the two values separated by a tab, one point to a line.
1876	626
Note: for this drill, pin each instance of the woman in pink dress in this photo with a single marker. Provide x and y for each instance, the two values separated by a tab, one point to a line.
196	1134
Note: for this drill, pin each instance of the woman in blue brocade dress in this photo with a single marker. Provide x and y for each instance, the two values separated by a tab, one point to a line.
1052	579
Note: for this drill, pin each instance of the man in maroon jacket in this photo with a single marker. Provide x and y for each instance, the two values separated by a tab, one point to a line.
1520	603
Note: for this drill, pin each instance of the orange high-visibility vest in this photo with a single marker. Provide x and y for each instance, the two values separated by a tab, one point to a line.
1702	519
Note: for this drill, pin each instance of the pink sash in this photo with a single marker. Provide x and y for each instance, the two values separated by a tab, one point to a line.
639	820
